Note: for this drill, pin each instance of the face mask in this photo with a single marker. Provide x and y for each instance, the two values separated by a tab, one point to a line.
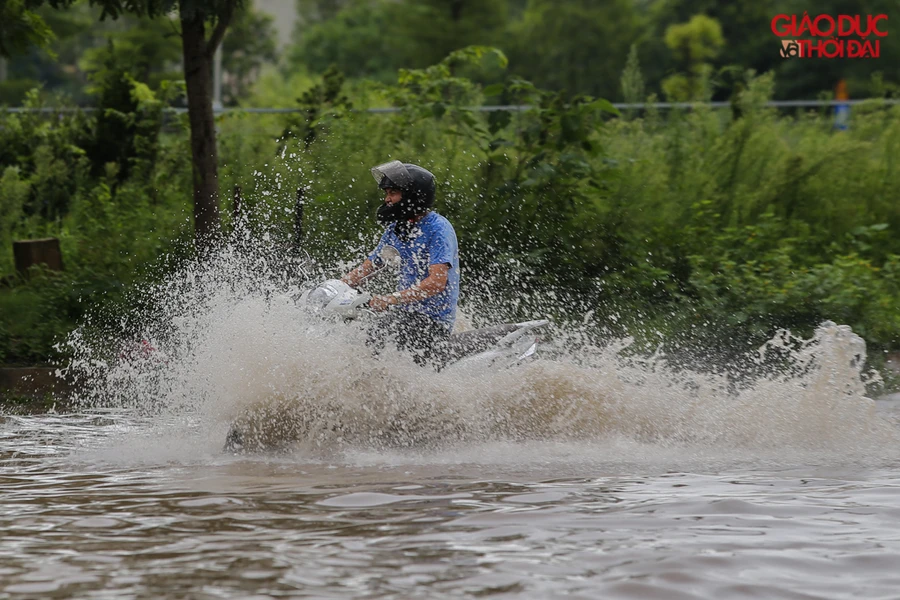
390	213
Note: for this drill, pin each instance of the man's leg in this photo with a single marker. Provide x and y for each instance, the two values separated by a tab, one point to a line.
412	332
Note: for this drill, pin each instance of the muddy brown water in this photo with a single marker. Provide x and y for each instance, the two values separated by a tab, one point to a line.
587	472
106	504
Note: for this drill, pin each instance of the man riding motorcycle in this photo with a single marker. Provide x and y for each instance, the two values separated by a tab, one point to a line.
420	314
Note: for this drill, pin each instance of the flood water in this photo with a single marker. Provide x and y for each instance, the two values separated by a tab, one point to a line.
109	505
583	473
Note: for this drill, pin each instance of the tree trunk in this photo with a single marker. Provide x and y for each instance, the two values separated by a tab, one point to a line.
198	78
456	7
28	253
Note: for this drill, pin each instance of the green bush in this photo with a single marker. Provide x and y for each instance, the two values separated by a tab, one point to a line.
708	227
115	212
14	91
705	224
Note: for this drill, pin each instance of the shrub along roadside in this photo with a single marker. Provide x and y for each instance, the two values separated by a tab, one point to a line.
699	227
108	184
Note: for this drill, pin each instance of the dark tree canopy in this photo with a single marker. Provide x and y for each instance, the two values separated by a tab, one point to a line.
203	25
581	46
21	27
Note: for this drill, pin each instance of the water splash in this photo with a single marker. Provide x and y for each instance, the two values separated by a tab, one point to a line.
226	345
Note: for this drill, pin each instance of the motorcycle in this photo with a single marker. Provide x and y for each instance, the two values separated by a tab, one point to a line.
484	349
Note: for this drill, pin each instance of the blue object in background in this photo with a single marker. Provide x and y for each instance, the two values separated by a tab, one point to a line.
841	111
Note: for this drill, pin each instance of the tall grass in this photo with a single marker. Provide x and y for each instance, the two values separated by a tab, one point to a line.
693	224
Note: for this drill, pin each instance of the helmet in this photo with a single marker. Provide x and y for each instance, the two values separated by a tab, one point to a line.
415	184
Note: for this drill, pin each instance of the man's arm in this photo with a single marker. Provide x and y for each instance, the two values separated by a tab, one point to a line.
434	284
354	277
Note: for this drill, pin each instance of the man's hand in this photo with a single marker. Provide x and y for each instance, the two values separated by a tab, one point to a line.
354	277
381	303
435	283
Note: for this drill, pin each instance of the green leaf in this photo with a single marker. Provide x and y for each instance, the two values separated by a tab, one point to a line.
605	106
498	143
493	90
498	119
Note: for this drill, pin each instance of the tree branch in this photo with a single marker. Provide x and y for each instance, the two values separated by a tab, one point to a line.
221	25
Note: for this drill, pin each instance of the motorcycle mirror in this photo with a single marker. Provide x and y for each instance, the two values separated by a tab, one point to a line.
390	256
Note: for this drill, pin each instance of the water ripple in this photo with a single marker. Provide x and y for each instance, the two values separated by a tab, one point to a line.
81	517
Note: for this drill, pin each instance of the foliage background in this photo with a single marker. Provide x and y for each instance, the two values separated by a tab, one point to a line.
706	230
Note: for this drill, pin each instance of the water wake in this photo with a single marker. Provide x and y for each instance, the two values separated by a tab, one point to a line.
227	347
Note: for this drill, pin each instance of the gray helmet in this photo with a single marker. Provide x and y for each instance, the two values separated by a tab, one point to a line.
415	183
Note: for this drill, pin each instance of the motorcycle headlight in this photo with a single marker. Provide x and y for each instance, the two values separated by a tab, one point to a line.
326	292
321	296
